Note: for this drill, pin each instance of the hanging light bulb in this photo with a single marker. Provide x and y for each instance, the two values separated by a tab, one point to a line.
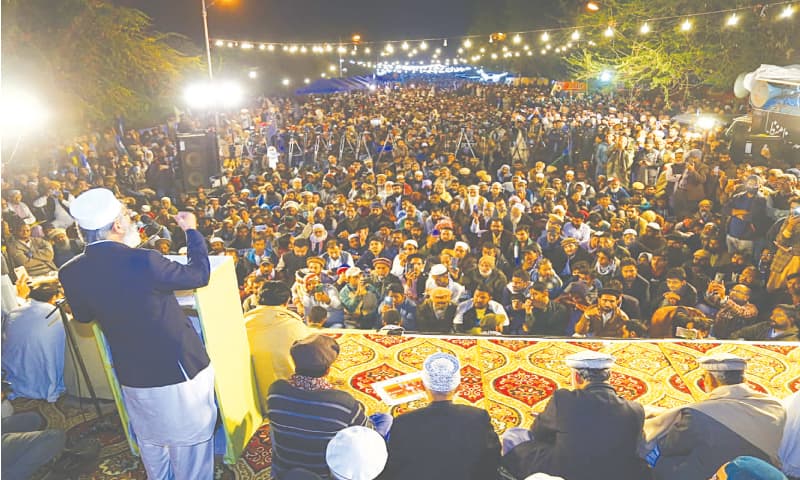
262	47
525	47
732	20
342	49
494	56
404	46
328	47
303	49
544	51
686	25
609	32
545	36
467	43
389	48
423	45
576	35
444	44
516	39
645	28
482	50
219	43
787	12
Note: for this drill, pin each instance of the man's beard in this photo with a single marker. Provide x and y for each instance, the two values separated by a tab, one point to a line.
62	245
131	237
484	274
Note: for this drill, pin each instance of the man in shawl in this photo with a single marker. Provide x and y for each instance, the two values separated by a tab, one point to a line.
692	441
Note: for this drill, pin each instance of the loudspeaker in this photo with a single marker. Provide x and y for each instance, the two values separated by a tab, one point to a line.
197	160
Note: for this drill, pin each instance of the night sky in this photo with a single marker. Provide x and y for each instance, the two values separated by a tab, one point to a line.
308	20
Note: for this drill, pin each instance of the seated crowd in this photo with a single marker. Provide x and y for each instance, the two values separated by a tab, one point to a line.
576	219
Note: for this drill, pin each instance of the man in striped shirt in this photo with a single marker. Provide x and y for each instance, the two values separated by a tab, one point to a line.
306	411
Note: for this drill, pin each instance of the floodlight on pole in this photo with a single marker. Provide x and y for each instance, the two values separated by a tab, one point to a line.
706	123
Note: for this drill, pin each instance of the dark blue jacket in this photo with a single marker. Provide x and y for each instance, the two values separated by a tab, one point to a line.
130	293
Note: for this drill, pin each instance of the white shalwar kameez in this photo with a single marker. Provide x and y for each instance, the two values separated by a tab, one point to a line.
174	427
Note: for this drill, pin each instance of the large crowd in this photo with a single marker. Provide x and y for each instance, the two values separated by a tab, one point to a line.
538	214
443	207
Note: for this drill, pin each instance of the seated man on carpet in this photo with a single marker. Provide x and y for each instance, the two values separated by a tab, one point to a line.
272	329
436	313
605	318
692	441
305	412
782	326
34	344
442	440
470	313
588	433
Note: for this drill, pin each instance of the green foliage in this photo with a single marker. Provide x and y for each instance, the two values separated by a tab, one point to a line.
668	59
93	60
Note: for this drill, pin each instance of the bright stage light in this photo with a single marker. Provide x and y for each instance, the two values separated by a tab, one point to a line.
252	74
733	20
609	32
422	46
644	29
332	68
404	46
605	76
686	25
285	82
787	12
467	43
220	43
706	123
576	35
207	95
517	39
20	112
545	36
306	81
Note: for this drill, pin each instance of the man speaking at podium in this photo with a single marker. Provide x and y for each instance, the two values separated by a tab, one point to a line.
167	380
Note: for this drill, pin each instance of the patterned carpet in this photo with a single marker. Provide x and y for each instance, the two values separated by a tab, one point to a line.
511	379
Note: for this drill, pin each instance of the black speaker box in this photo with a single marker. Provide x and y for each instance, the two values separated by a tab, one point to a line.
197	160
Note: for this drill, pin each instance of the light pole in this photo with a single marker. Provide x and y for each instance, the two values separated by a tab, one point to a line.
208	44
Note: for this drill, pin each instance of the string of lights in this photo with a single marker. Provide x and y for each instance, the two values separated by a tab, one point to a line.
477	48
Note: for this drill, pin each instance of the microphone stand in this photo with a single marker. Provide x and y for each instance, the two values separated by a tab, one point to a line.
76	353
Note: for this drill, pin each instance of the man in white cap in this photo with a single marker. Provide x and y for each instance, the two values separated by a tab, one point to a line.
585	433
356	453
166	377
442	440
692	441
439	276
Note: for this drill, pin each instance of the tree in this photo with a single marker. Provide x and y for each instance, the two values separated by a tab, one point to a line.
669	59
94	60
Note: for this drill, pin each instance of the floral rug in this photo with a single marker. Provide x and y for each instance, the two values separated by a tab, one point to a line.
510	378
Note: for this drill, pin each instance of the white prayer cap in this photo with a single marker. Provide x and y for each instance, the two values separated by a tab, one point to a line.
95	208
631	231
542	476
463	245
441	373
356	453
438	269
215	240
654	226
590	359
722	362
291	204
411	242
353	272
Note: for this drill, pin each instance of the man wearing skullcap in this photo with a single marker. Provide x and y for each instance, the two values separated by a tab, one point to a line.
306	411
436	313
442	440
356	453
692	441
159	358
586	433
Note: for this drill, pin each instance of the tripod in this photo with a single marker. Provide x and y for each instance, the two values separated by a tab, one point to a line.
389	138
295	150
464	139
321	141
345	143
72	346
362	140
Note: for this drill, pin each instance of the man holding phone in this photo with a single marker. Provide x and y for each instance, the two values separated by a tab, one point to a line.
787	242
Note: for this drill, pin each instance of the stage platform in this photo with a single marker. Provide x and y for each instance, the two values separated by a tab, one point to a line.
510	377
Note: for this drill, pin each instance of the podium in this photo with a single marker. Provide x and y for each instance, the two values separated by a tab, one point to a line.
221	326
